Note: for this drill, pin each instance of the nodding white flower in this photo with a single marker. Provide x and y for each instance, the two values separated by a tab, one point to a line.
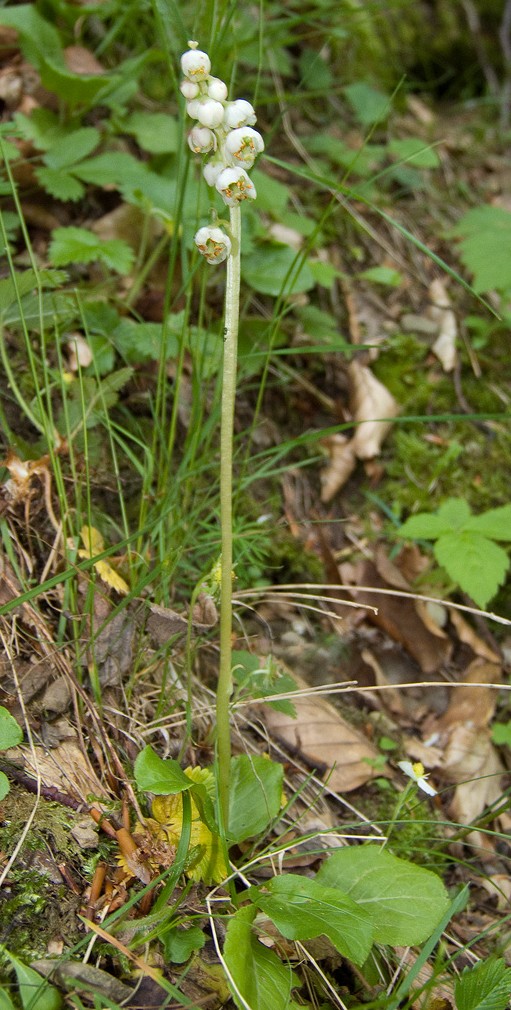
234	185
192	108
212	170
417	773
213	243
239	113
196	65
217	89
201	140
189	89
210	113
243	145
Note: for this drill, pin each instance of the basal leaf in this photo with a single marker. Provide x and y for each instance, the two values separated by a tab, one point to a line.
276	270
76	89
404	902
424	526
180	943
73	147
156	775
302	908
4	788
495	523
484	986
477	564
258	975
155	132
369	104
485	246
59	183
455	513
77	245
255	795
11	733
35	993
116	254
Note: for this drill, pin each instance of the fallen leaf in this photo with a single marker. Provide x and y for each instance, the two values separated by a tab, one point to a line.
341	465
373	407
468	636
442	314
324	740
82	61
94	544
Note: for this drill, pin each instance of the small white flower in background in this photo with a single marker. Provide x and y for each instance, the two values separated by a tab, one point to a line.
224	133
213	243
417	773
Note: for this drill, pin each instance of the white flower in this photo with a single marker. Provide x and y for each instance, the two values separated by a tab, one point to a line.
211	171
196	65
189	89
210	113
243	145
201	140
234	185
213	243
239	113
417	774
217	89
192	108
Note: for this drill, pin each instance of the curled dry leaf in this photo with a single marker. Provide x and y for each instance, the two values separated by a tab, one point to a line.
323	740
442	314
341	465
80	352
373	407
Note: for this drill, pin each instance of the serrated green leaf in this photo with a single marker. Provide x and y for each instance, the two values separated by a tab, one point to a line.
42	127
495	523
455	513
484	986
477	564
302	908
258	975
404	902
117	255
485	246
59	183
73	147
255	795
77	245
11	733
156	775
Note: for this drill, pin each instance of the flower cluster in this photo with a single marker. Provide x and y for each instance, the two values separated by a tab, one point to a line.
223	131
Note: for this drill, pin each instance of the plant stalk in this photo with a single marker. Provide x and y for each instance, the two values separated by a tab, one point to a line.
224	688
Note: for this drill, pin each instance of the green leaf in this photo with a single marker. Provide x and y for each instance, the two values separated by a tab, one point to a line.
495	523
370	106
404	902
276	270
272	195
38	36
255	795
413	149
35	993
73	147
382	275
484	986
302	908
156	775
155	132
258	975
4	787
180	943
477	564
485	247
77	245
11	733
424	526
455	513
501	733
75	89
59	183
5	1001
42	127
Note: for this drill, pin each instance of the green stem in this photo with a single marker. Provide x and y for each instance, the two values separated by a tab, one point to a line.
224	689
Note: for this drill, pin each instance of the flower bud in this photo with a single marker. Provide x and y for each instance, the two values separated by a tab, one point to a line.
217	89
195	65
201	140
192	108
234	185
211	171
189	89
239	113
213	243
243	145
210	113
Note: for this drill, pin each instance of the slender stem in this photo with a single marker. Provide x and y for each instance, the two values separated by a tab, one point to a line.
226	452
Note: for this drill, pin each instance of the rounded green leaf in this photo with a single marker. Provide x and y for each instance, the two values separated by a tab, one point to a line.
156	775
11	733
258	975
255	796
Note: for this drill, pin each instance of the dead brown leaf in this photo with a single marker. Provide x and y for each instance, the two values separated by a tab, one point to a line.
341	465
324	740
372	406
82	61
442	314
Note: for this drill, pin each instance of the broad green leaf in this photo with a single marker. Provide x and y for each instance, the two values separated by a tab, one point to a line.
272	195
155	132
414	150
255	795
477	564
76	89
59	183
258	975
302	908
370	106
382	275
180	943
455	513
38	36
5	1001
42	127
276	270
485	247
404	902
501	733
484	986
73	147
4	785
157	775
35	993
11	733
77	245
495	523
424	526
